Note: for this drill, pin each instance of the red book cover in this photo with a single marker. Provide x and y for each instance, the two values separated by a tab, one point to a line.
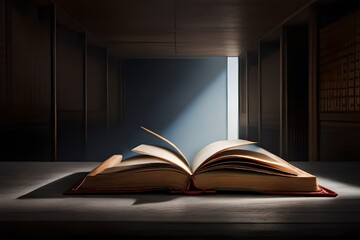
192	190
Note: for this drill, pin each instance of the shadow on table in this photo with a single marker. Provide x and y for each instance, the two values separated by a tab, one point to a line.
57	188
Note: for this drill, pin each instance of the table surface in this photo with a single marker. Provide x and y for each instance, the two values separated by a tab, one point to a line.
31	202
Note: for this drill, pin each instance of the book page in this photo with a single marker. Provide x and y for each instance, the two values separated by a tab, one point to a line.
139	160
110	162
162	153
214	148
182	158
140	163
256	168
238	159
279	160
241	155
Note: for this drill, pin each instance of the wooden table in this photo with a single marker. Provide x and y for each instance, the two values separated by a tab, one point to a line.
32	204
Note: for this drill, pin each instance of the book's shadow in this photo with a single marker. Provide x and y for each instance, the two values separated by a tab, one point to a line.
55	189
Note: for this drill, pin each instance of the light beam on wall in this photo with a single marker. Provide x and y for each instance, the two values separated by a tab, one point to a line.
232	98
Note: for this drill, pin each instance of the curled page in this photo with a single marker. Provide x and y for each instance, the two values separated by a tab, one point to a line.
162	153
183	158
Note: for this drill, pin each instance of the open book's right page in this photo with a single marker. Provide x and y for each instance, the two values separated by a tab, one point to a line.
254	148
211	163
215	148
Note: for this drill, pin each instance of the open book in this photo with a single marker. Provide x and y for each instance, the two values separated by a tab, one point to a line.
223	165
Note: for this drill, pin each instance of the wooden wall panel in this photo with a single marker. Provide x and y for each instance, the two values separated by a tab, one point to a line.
253	96
313	86
296	78
270	96
249	95
21	84
243	97
42	99
115	90
116	102
2	53
70	94
339	141
96	66
30	44
69	69
25	82
41	71
97	103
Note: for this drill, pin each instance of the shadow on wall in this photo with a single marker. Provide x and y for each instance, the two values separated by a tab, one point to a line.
183	100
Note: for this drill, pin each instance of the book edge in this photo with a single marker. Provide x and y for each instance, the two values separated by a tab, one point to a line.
190	190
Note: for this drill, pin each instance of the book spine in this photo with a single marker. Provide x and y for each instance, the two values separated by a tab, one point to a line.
191	189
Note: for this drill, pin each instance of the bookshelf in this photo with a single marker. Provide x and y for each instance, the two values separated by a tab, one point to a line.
339	82
339	66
